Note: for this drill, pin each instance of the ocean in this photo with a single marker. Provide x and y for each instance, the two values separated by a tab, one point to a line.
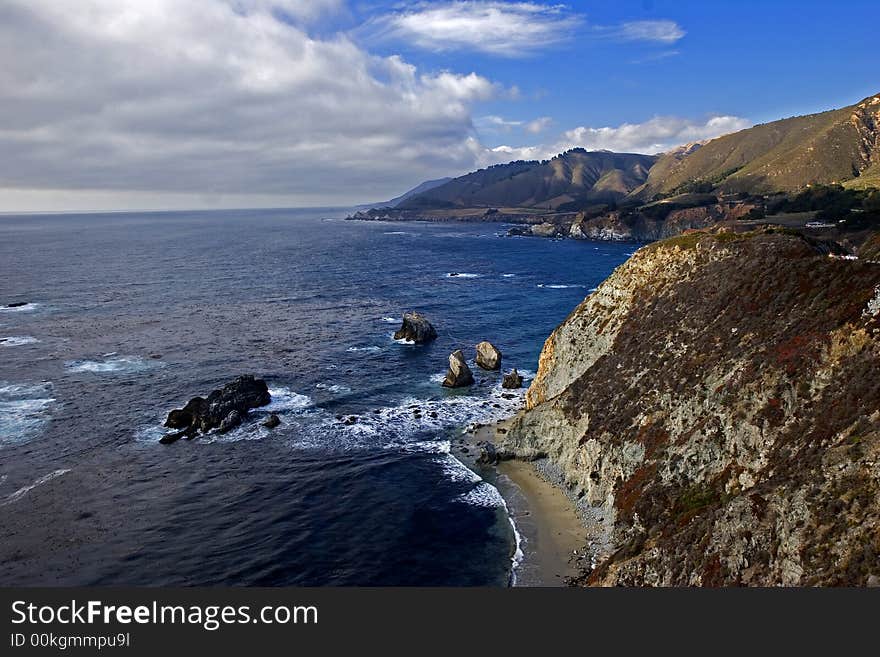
130	315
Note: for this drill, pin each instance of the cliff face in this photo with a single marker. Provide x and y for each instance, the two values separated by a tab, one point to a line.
716	405
641	227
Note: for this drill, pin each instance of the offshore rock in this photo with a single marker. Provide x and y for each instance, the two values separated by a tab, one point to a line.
416	328
512	380
224	408
488	356
459	374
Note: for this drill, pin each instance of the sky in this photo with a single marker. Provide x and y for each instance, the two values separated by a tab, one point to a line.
163	104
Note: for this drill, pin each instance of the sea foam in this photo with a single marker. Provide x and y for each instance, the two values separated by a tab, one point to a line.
24	411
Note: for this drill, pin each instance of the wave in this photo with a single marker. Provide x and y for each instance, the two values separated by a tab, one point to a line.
390	320
508	275
559	286
24	411
483	494
28	307
335	388
455	274
24	490
396	232
17	340
113	365
364	349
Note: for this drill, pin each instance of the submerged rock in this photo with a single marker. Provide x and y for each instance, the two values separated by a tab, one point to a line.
272	421
459	374
17	304
488	356
416	328
232	420
488	454
512	380
224	408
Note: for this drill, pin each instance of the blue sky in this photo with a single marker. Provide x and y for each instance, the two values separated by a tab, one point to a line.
759	60
124	104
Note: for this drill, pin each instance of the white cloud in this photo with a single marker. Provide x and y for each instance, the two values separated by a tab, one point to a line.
509	29
656	135
506	29
539	125
215	97
661	31
493	123
303	10
653	136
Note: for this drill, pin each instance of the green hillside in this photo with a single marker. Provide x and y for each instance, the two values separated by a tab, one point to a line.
577	176
831	147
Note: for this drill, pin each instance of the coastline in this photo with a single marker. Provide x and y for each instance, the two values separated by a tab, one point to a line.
553	535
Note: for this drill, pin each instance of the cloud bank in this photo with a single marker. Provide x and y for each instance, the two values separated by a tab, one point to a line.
216	97
124	103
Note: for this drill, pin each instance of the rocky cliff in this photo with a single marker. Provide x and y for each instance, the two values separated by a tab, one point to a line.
715	408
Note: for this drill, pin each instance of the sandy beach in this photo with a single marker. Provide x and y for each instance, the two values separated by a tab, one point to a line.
552	533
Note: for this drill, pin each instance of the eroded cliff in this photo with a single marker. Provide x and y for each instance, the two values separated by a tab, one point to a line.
716	404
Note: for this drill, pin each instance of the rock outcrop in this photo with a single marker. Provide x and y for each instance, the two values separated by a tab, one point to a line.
415	328
223	409
488	356
459	374
715	408
512	380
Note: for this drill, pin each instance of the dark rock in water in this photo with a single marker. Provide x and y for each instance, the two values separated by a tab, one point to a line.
512	380
488	454
17	304
272	421
224	408
459	374
232	420
488	356
416	328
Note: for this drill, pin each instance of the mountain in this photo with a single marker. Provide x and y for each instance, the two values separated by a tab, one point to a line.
839	146
415	191
575	177
418	189
713	410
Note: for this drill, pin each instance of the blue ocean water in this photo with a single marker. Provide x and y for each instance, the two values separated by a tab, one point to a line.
130	315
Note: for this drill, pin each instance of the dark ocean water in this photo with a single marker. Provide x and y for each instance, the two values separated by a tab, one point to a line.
130	315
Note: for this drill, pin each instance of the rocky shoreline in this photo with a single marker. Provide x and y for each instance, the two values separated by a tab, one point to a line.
711	442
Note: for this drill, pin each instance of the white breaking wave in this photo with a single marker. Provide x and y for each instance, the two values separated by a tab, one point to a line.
24	411
558	286
362	349
28	307
484	494
17	340
24	490
115	365
334	387
390	320
455	274
507	275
